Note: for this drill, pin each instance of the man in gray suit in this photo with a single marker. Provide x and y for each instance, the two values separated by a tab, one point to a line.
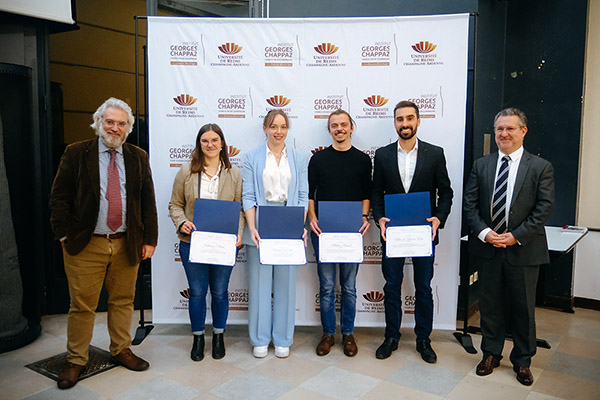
508	199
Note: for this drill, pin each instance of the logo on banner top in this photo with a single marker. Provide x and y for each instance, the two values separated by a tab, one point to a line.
326	56
233	153
317	149
429	106
279	55
230	48
375	108
376	101
374	296
184	100
230	56
278	101
233	106
376	54
423	54
178	156
323	106
184	53
184	107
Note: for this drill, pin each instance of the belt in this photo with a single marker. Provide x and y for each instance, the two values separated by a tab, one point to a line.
110	235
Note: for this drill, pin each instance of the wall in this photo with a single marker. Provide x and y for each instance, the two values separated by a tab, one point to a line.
587	254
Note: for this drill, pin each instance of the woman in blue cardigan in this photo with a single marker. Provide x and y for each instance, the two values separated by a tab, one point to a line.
273	175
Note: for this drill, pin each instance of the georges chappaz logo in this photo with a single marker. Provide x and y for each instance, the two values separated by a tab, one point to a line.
373	296
326	49
185	99
230	48
376	101
424	47
278	101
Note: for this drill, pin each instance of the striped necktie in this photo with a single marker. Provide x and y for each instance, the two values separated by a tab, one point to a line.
113	194
499	222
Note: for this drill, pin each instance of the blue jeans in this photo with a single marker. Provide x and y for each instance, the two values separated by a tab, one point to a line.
393	273
199	277
327	275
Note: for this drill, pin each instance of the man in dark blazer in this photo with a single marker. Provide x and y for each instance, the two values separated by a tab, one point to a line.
104	214
406	166
508	199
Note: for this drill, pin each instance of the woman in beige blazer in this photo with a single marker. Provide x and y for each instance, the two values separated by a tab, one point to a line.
209	175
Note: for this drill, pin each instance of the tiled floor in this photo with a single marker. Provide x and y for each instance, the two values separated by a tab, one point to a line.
570	370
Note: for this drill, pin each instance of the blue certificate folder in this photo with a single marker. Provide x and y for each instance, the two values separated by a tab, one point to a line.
219	216
340	216
280	222
407	209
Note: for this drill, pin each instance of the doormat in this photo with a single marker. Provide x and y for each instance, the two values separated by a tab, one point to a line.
99	361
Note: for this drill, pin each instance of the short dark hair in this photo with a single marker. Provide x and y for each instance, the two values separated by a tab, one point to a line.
270	117
509	112
197	163
339	111
405	104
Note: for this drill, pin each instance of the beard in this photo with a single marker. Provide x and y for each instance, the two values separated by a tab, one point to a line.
407	135
110	141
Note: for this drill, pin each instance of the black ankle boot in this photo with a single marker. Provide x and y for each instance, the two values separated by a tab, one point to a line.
218	346
197	353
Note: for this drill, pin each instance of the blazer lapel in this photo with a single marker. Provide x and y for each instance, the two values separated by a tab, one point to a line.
422	154
93	170
521	173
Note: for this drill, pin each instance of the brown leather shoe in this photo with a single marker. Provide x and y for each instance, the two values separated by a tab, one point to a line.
524	376
325	345
130	361
487	365
69	376
350	347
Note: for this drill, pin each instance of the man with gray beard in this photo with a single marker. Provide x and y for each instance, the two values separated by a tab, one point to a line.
104	214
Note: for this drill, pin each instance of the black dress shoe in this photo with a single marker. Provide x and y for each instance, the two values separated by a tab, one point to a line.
197	353
524	376
487	365
427	353
386	348
218	346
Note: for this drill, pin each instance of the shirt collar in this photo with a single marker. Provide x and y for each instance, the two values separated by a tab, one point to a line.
400	149
283	153
102	147
514	156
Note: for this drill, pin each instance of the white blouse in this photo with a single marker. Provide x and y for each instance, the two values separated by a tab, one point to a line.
209	187
276	178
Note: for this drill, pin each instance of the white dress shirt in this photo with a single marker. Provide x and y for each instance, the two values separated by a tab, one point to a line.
276	178
513	167
406	164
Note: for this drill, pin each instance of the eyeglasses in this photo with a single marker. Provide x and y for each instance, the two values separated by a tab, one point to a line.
110	122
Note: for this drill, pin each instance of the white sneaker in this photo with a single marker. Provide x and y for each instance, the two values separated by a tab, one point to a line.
282	352
260	351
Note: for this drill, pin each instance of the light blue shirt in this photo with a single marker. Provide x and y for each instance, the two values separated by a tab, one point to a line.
104	160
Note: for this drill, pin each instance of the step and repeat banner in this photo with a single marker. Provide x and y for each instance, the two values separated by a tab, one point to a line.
233	71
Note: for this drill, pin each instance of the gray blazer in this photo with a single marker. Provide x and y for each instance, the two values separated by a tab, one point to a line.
530	209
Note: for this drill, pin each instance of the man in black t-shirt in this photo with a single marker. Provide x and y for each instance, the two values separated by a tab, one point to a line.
340	172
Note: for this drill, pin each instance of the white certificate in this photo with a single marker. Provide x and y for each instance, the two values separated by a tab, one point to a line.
408	241
282	251
213	248
341	247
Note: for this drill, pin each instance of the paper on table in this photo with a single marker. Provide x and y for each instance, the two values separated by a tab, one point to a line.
213	248
408	241
341	247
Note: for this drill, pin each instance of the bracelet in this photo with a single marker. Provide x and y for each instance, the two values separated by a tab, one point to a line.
365	215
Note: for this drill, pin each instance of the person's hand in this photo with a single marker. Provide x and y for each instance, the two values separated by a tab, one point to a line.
187	228
147	251
435	223
254	236
62	243
314	226
382	221
365	226
507	239
238	242
304	236
493	238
